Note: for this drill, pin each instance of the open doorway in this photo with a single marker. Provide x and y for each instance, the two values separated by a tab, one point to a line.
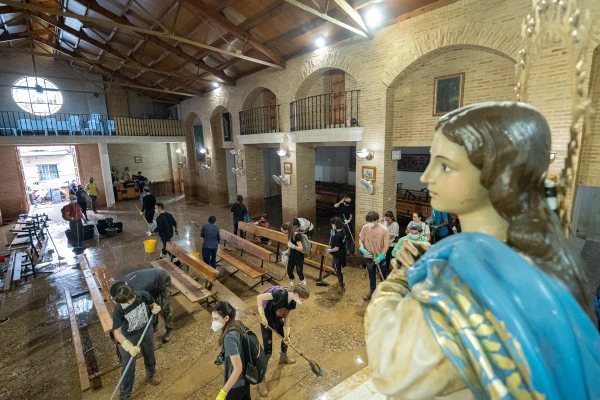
272	191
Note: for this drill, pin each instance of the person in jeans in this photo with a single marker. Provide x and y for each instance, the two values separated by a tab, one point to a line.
165	226
337	249
92	190
239	212
82	200
274	307
130	318
157	282
233	332
374	241
72	213
296	257
210	233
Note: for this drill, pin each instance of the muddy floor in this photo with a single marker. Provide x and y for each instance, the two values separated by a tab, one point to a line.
37	360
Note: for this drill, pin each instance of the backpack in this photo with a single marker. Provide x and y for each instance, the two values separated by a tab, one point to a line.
306	245
253	357
63	212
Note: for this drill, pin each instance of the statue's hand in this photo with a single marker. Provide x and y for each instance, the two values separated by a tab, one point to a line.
411	252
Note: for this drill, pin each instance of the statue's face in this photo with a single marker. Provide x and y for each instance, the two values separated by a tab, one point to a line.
452	180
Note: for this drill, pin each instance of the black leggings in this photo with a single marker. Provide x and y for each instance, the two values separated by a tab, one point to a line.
239	393
295	260
336	263
388	257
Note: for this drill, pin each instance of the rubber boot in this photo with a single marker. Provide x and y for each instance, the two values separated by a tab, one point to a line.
284	359
167	336
262	388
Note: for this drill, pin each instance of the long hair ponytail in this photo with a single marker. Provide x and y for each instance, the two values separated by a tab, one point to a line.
510	144
224	309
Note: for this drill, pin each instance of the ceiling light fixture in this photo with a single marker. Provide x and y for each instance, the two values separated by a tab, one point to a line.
320	42
365	153
373	17
215	84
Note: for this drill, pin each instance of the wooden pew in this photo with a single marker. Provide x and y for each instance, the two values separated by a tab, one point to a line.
208	272
106	281
245	245
186	285
9	271
84	378
97	298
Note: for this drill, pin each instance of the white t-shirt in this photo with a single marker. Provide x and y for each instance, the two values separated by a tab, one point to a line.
426	230
393	229
305	224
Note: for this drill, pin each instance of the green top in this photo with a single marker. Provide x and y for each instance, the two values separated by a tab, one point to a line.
422	238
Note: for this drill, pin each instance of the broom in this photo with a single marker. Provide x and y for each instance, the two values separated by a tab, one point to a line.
149	231
313	365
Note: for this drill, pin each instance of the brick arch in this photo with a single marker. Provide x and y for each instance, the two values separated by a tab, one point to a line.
484	37
248	98
263	82
320	63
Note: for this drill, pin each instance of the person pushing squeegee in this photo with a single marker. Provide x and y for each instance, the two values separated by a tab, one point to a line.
150	229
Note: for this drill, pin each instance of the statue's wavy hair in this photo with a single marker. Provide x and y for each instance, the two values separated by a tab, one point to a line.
510	144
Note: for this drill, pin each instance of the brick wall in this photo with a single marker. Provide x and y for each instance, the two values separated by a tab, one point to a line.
589	170
155	163
12	197
488	76
88	160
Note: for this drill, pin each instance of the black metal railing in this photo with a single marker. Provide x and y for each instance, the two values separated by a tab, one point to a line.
13	123
331	110
260	120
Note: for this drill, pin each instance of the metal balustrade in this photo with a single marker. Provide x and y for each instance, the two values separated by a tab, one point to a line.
13	123
260	120
331	110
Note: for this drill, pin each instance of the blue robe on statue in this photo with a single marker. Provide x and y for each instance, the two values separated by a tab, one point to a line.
510	330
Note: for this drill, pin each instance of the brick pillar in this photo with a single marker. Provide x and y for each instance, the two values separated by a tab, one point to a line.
251	183
298	198
13	200
88	158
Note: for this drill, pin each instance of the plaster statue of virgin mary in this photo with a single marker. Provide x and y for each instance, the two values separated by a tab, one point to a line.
499	311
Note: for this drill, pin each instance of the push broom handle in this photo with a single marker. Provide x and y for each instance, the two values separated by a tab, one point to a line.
131	358
281	337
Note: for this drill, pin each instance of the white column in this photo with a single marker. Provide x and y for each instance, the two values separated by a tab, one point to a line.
106	176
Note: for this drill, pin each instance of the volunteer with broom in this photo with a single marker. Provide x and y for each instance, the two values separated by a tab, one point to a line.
130	317
374	241
148	204
274	308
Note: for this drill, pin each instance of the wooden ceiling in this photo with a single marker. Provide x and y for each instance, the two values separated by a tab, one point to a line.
172	49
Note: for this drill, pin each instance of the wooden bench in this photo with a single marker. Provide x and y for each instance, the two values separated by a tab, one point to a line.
84	378
245	245
186	285
106	281
207	272
96	295
9	271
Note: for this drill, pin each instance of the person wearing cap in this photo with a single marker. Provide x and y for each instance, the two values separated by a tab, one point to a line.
415	234
72	213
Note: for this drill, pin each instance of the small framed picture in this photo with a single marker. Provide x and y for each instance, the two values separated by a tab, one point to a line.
448	93
137	159
287	168
208	161
369	173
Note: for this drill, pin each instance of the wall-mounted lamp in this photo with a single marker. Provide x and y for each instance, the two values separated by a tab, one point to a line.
552	156
237	152
204	151
283	153
365	153
178	151
205	166
238	171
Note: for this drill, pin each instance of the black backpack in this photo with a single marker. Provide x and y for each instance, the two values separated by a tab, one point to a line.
253	358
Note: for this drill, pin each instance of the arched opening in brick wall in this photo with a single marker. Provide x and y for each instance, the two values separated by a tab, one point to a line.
195	183
327	98
439	81
261	113
219	160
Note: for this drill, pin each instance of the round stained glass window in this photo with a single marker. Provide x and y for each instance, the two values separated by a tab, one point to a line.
38	96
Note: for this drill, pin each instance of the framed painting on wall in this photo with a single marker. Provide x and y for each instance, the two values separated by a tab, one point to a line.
227	127
369	173
199	142
448	93
137	159
287	168
414	162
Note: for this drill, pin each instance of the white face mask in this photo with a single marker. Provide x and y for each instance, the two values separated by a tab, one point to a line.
298	301
216	326
125	305
370	224
414	236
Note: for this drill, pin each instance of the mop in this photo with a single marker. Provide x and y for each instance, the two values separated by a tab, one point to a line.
149	231
131	358
60	258
313	365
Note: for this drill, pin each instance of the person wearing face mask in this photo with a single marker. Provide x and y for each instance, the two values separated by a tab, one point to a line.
165	225
92	190
274	307
346	209
394	230
418	218
235	387
82	201
374	241
72	213
148	205
337	249
296	256
130	318
415	234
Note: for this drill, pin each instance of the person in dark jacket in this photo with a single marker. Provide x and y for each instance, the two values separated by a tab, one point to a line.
165	226
239	212
210	233
82	200
148	205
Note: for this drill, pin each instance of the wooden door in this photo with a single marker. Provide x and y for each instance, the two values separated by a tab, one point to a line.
270	100
337	87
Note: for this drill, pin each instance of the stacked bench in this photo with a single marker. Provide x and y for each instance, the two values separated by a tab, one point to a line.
18	264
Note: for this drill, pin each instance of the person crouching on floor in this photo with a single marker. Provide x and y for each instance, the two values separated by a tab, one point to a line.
130	318
337	249
274	307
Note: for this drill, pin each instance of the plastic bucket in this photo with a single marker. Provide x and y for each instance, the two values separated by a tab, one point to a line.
149	245
195	254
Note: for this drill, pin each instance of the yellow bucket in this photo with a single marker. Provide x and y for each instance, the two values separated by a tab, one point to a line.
149	245
196	254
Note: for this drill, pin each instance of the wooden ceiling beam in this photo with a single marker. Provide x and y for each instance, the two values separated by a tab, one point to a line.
327	17
347	8
227	25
